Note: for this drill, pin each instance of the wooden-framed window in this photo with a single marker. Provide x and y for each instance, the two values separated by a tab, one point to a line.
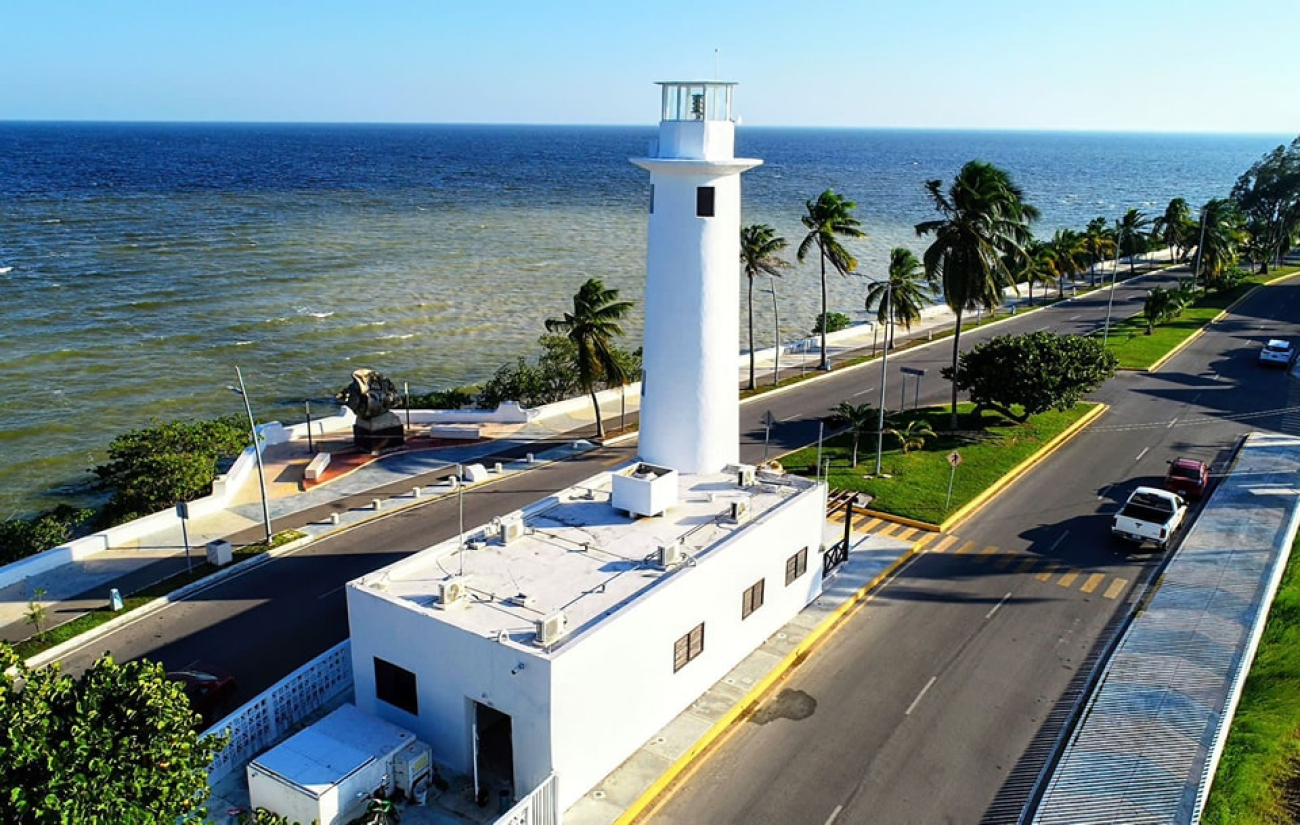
752	599
704	196
688	647
396	686
796	565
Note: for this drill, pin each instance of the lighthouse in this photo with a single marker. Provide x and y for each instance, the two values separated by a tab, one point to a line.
690	414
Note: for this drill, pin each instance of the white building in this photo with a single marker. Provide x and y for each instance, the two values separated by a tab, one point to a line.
562	638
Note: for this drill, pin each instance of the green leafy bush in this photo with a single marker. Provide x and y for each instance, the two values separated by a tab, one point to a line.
549	378
834	321
21	537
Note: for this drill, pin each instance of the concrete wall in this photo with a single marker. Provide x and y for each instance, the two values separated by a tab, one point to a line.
614	687
453	668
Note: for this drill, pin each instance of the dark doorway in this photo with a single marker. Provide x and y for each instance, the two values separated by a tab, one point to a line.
495	750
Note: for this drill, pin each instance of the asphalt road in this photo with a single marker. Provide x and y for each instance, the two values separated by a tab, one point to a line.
929	701
936	702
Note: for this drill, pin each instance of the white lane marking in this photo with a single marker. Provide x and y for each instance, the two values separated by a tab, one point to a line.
864	392
1001	602
834	814
1171	424
331	591
1057	543
788	418
1074	317
917	700
1144	452
1196	398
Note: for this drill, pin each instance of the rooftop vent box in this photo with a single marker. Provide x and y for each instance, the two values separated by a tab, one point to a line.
551	628
644	490
512	527
740	511
451	592
669	555
745	475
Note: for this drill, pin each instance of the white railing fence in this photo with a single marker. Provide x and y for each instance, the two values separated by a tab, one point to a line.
540	807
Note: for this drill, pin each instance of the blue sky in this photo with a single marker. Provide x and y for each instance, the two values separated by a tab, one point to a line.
1132	65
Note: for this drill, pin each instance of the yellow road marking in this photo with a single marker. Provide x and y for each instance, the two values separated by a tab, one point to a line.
1068	579
990	550
1005	561
907	534
1116	587
888	529
1028	564
870	524
926	539
967	547
944	544
1092	582
1051	568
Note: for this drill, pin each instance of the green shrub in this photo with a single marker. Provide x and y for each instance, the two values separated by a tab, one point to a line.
834	321
21	537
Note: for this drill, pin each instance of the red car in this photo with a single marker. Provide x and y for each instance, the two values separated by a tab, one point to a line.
1188	477
208	689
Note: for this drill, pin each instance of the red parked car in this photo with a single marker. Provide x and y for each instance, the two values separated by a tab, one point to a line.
1188	477
208	688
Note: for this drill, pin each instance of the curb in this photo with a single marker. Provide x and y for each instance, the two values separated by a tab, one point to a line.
742	708
904	520
974	505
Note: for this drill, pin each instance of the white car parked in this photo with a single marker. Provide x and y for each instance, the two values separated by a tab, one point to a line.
1276	353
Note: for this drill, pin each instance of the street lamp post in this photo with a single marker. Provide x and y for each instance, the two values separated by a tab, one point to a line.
257	451
884	371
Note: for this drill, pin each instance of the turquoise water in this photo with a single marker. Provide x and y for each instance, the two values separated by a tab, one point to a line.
141	263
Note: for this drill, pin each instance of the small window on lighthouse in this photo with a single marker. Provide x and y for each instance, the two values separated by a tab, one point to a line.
704	201
652	199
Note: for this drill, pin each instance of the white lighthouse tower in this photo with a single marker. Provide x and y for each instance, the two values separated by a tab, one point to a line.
690	415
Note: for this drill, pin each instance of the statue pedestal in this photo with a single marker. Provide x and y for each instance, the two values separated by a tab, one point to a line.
379	433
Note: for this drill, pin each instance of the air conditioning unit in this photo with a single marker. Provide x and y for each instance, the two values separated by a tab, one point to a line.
669	555
411	765
522	600
451	591
512	527
745	475
550	629
740	511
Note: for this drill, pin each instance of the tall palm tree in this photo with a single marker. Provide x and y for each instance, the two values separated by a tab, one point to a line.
1068	253
591	327
1100	245
1224	233
828	219
859	419
983	224
1039	268
1128	230
759	245
1174	228
907	289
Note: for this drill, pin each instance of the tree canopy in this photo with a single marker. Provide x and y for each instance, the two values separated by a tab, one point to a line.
1036	371
760	248
591	327
119	744
828	219
1268	196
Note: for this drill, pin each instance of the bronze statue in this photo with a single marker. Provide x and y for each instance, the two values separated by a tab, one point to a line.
371	396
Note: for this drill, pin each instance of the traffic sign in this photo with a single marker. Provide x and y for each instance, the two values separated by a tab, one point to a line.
954	458
911	371
769	420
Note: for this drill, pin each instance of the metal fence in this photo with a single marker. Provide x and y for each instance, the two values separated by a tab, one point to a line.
540	807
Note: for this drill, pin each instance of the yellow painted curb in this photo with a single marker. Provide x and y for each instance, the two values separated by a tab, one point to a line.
746	704
1186	342
971	507
909	522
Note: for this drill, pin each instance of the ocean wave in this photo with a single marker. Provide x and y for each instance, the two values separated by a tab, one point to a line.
5	270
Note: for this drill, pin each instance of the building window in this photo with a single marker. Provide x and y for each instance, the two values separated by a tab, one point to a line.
796	565
704	201
652	199
753	599
396	686
688	647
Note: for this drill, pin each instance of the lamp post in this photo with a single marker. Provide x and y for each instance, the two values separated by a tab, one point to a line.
884	371
460	507
1200	251
257	451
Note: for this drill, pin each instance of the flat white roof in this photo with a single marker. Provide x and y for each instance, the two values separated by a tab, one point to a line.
577	555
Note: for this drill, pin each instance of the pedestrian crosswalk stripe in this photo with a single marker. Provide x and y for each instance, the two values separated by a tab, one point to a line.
990	550
1068	579
944	544
1116	587
1028	564
1048	571
907	534
888	529
870	524
925	539
1005	561
1092	582
967	547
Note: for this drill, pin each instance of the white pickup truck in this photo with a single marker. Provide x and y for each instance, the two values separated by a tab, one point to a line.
1149	515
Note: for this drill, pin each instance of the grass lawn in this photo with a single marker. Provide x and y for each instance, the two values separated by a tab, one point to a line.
88	621
1256	780
918	484
1138	351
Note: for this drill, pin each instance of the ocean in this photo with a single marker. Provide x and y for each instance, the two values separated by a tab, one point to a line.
142	262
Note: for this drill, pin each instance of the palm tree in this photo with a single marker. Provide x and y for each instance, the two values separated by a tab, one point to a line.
829	218
912	436
1160	305
859	419
1129	229
1224	233
759	245
591	326
1174	228
1068	253
900	298
984	224
1099	245
1039	268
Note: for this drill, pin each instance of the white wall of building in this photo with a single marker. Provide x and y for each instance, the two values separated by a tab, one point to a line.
453	669
614	686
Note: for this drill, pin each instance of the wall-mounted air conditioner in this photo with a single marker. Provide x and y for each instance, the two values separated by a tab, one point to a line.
669	555
740	511
512	527
550	629
450	592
